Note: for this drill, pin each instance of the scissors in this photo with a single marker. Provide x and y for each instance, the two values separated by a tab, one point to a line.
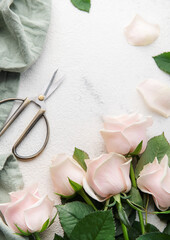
40	102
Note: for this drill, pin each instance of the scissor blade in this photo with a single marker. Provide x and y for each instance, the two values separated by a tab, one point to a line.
53	87
50	83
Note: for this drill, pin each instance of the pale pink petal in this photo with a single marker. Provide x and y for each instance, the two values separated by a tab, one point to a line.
91	168
108	176
119	123
156	95
3	207
61	171
151	183
90	191
38	214
136	132
140	33
150	168
125	168
115	142
165	182
14	214
33	189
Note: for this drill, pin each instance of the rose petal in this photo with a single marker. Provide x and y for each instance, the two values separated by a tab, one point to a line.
107	178
65	167
33	189
166	177
3	207
115	142
90	191
136	132
15	212
125	168
150	182
156	95
38	214
140	33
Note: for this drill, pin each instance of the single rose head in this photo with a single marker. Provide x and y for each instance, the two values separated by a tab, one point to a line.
122	134
154	179
62	169
107	175
27	210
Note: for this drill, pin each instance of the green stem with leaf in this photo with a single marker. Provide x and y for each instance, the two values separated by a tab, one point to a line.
86	198
36	236
132	175
119	208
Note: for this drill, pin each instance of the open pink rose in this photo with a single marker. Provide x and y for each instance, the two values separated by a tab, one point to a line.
122	134
27	209
107	175
154	179
64	167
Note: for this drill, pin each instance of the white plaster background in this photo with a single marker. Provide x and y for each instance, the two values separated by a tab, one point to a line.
102	72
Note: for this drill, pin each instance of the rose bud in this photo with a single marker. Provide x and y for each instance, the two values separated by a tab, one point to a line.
62	169
107	175
154	179
27	210
122	134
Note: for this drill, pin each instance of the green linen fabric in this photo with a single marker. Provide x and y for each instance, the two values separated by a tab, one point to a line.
23	28
10	177
7	234
8	89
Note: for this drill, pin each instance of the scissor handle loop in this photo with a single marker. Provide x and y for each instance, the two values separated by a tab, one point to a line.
37	117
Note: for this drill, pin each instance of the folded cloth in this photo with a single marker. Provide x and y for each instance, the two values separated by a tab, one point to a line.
23	27
8	88
10	180
7	234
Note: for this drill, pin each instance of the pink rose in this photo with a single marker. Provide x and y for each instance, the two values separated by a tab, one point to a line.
154	179
27	209
122	134
64	167
107	175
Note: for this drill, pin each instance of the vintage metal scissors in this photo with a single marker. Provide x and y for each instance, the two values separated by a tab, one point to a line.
40	102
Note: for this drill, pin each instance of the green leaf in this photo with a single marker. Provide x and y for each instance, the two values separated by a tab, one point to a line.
76	187
163	61
80	156
22	233
57	237
137	150
71	213
97	225
136	197
157	147
123	216
167	229
154	236
66	197
45	225
135	230
83	5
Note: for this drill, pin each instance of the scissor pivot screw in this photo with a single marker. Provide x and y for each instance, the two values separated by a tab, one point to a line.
41	97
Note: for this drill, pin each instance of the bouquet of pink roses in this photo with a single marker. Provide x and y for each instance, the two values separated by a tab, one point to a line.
101	197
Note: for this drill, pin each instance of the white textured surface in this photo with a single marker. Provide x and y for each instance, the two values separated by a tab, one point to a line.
102	72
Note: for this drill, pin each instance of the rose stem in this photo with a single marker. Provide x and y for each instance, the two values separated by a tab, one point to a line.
132	175
36	236
106	204
86	198
124	228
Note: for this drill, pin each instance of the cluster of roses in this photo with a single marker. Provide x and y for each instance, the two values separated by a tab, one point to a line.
108	175
105	176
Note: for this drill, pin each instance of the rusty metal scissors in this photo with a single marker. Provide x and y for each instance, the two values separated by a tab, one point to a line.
40	102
